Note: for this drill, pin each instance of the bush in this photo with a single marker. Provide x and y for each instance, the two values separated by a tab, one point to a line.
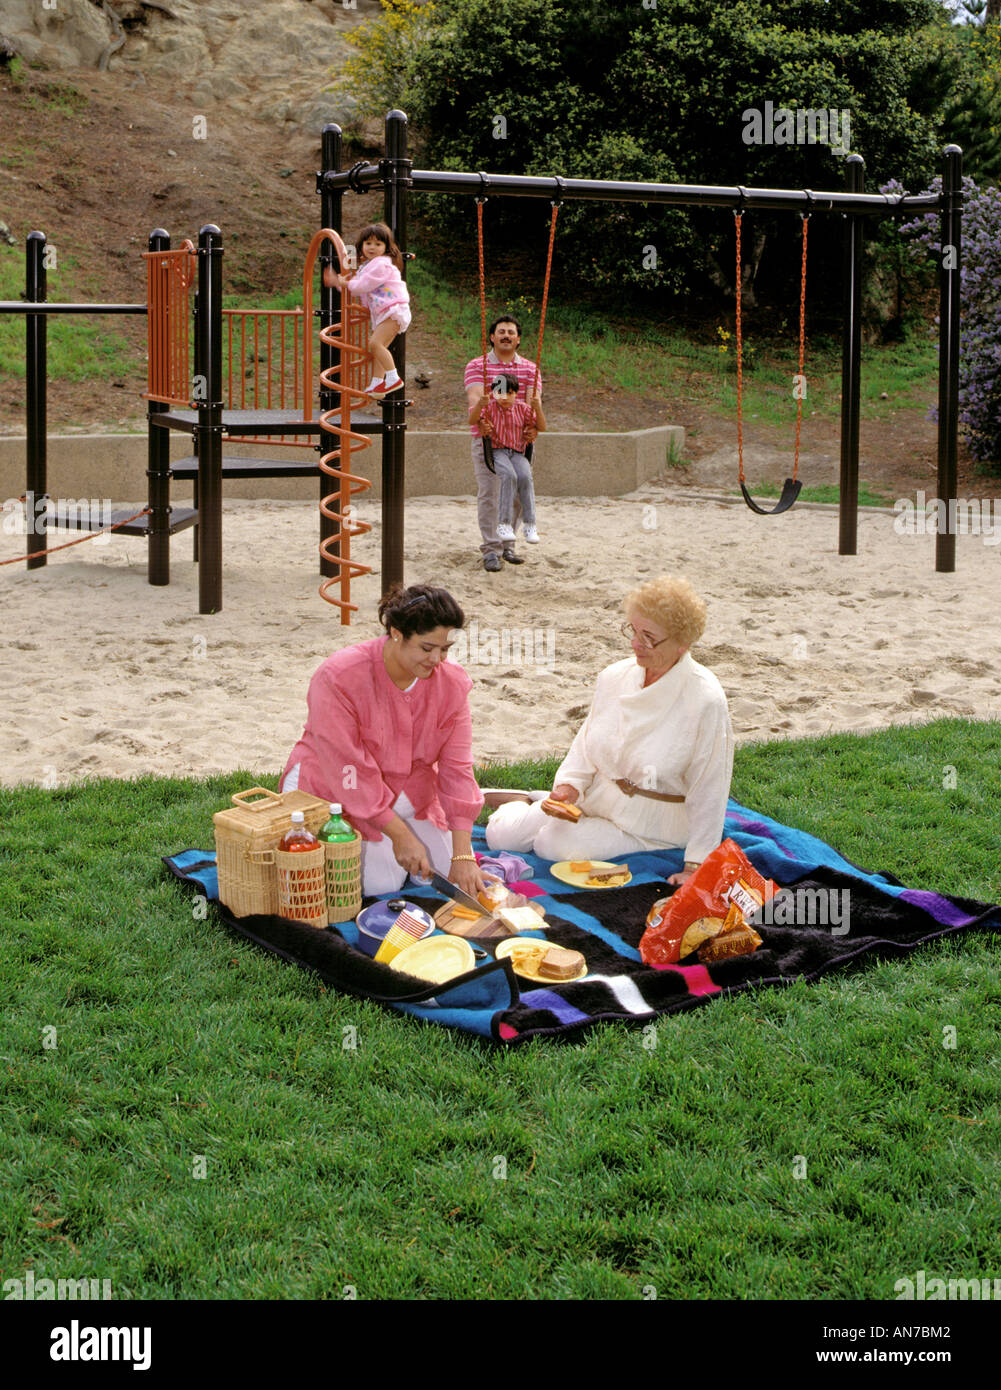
980	310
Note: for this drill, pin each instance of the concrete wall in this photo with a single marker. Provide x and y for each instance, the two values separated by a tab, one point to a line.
438	464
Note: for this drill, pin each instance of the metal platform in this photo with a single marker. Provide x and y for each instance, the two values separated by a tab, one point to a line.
80	519
187	468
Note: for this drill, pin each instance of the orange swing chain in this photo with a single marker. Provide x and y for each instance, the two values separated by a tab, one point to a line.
545	301
738	217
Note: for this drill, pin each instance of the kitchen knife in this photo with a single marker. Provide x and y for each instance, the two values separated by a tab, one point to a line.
449	890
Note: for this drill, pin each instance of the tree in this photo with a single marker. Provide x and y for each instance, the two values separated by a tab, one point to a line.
688	91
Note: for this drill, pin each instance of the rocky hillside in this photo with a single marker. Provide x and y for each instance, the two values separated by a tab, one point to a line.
120	118
265	59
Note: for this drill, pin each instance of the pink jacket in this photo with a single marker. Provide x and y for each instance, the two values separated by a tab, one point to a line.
366	741
378	284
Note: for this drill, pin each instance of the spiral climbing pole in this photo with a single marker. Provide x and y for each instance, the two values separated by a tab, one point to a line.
348	336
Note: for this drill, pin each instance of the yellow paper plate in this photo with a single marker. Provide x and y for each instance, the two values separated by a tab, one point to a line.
529	971
435	958
565	874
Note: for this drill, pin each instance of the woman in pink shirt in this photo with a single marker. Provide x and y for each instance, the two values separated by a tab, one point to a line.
389	736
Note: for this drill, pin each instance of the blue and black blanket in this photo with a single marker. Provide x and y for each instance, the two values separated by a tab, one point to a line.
879	916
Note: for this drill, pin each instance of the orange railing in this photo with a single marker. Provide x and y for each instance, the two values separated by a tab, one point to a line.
350	335
169	277
263	352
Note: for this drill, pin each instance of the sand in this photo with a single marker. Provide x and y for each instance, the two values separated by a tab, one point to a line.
108	677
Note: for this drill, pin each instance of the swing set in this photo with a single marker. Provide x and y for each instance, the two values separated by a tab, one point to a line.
396	176
488	453
210	408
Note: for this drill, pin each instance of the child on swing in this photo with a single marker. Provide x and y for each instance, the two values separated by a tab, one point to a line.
378	282
510	425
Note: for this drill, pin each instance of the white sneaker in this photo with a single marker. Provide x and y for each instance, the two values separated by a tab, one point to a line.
531	535
505	533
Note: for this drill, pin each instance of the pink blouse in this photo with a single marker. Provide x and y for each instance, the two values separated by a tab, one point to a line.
366	741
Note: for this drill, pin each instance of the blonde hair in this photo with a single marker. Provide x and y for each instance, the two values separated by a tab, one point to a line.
672	603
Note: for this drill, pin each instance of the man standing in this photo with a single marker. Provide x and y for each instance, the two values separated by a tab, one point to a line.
505	335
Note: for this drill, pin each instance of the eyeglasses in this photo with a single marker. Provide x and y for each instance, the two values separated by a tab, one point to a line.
629	631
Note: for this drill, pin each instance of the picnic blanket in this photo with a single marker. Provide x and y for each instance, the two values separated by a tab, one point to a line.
880	917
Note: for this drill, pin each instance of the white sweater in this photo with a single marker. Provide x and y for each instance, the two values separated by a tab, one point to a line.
674	736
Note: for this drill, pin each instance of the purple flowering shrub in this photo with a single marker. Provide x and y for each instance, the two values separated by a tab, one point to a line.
980	310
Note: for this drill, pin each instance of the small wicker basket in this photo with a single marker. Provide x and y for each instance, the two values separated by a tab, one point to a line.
343	870
246	840
302	892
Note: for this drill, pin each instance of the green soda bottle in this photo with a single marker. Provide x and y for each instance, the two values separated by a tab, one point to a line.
336	828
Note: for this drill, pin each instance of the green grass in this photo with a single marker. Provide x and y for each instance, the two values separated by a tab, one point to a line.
649	360
78	348
374	1166
582	347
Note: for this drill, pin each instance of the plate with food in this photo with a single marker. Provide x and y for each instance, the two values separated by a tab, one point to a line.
591	873
541	961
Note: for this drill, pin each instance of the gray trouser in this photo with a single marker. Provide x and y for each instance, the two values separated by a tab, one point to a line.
515	474
487	499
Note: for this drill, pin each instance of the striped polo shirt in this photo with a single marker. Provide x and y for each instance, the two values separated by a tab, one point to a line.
521	367
508	425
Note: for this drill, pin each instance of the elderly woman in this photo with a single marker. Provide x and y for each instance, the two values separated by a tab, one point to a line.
389	736
650	767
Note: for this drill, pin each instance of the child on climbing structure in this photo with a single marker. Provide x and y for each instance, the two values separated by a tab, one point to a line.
378	282
510	426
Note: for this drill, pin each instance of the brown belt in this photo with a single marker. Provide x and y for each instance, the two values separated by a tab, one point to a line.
631	789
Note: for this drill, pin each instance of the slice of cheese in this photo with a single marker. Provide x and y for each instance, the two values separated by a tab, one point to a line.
521	918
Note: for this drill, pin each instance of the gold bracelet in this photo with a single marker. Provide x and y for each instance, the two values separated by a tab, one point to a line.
469	858
691	865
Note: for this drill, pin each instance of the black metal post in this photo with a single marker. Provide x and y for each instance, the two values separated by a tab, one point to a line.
158	464
394	413
851	360
331	309
948	352
207	394
35	329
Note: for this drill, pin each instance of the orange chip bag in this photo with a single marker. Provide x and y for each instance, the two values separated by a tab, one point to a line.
726	887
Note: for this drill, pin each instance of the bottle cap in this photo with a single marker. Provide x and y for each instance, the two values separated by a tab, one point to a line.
298	818
335	808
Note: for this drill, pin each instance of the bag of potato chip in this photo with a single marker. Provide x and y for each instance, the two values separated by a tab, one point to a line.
710	912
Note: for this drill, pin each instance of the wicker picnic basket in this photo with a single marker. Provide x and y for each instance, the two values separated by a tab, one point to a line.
246	840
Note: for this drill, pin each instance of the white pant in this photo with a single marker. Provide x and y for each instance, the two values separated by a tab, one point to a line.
380	873
517	826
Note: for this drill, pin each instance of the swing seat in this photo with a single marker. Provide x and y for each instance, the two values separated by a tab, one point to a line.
790	491
488	454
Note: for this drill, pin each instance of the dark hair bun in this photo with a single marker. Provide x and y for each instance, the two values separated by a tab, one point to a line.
419	608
